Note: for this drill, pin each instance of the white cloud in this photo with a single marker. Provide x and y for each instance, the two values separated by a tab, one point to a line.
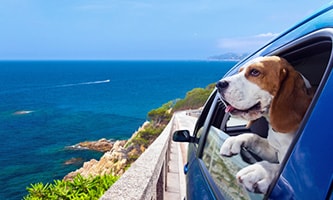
245	44
267	35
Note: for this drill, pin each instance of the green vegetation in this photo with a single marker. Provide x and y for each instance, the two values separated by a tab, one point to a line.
158	119
147	135
161	115
194	99
79	188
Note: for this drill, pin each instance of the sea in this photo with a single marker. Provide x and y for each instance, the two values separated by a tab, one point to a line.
48	106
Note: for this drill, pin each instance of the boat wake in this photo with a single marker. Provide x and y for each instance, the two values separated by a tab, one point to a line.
23	112
85	83
28	89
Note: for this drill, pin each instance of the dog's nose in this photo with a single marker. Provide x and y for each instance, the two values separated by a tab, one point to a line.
222	85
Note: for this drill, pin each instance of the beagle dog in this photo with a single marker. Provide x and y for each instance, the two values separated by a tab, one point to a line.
268	87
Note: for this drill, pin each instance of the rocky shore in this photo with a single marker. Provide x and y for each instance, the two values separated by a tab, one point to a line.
103	145
117	156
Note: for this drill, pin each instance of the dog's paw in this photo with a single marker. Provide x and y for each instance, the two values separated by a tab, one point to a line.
257	177
231	146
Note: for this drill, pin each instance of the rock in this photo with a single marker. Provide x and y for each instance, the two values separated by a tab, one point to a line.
102	145
74	161
112	162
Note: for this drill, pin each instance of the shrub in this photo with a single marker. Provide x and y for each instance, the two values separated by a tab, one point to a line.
79	188
147	135
162	114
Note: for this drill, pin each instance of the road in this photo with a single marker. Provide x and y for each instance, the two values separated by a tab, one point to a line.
176	186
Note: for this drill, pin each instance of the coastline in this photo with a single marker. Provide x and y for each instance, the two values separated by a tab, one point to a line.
117	157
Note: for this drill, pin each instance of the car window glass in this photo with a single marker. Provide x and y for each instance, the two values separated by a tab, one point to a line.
223	169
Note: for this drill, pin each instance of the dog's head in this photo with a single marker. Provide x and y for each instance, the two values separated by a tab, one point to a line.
267	86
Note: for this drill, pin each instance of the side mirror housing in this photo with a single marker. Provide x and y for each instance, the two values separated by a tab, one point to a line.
182	136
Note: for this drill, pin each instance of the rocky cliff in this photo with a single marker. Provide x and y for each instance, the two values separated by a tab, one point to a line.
117	157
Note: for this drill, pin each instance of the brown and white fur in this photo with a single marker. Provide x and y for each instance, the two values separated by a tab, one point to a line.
269	87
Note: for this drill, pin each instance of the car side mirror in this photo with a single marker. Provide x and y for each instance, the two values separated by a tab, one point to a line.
182	136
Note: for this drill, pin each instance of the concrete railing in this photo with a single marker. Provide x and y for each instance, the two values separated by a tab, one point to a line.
146	178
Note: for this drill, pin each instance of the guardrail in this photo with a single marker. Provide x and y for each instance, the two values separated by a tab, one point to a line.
146	178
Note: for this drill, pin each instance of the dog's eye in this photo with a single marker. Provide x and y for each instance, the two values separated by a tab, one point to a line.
254	72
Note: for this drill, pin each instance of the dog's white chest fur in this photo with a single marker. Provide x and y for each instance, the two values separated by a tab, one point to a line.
280	142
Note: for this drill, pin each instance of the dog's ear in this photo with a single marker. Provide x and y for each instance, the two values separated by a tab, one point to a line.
290	102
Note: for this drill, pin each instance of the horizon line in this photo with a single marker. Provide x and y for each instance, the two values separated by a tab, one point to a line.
129	60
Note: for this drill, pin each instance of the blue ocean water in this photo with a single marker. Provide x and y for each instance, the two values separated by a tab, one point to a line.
46	106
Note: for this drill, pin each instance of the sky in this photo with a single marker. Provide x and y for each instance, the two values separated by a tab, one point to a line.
142	29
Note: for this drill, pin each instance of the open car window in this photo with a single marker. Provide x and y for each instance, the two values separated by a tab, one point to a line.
223	169
310	56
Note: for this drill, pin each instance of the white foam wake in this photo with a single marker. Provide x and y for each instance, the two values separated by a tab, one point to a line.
23	112
85	83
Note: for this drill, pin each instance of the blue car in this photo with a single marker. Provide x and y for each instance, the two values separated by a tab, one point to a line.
307	169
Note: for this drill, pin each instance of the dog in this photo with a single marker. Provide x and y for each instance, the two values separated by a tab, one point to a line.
264	87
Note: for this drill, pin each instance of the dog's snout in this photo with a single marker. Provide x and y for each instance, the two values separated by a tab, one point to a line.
222	85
